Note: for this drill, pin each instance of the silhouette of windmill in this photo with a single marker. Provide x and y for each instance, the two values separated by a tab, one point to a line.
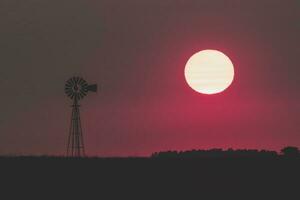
76	88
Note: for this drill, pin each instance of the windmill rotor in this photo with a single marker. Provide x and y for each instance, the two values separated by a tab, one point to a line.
77	88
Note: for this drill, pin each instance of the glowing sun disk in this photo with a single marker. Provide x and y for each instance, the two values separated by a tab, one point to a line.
209	72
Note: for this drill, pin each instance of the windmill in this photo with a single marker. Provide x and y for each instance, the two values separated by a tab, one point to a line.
76	88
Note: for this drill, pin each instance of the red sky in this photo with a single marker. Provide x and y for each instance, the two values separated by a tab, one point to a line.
136	51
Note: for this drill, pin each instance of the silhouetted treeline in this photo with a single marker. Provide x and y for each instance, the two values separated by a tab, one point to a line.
230	153
287	152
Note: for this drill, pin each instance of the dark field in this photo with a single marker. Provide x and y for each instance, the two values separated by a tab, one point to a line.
159	178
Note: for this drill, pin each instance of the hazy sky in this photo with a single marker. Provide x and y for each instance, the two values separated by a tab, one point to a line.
136	50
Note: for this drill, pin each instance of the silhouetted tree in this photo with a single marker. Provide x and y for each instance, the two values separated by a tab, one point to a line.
290	151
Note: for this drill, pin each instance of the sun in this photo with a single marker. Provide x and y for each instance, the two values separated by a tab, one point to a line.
209	72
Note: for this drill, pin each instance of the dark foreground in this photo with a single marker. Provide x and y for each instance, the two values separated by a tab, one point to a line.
155	178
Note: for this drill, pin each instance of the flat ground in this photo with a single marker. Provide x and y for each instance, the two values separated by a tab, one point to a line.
153	177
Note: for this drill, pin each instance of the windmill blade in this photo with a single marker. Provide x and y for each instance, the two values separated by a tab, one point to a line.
80	82
81	95
68	91
83	92
84	82
68	87
69	83
76	80
73	80
85	87
70	95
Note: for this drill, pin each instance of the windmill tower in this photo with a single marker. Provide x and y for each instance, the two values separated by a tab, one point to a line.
76	88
